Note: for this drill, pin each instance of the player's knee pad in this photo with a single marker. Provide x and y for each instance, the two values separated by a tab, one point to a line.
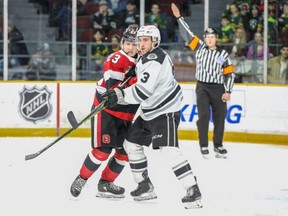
132	147
101	154
134	151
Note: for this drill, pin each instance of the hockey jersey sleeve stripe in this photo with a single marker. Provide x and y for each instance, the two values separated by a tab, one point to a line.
140	93
169	100
110	74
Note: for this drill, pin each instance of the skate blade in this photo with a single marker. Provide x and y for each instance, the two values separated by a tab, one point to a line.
110	196
146	196
223	156
193	205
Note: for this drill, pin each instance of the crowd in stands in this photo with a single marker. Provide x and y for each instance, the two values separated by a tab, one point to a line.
242	26
102	22
247	16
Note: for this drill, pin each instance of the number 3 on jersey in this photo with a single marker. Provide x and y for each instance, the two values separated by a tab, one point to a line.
145	77
115	58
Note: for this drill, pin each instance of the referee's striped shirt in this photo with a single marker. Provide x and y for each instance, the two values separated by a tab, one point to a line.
212	66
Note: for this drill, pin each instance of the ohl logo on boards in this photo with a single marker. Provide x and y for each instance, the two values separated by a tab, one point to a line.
35	103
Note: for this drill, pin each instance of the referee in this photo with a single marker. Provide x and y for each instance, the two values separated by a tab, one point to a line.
215	79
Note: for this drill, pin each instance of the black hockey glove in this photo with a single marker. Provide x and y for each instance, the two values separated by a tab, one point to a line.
130	72
113	97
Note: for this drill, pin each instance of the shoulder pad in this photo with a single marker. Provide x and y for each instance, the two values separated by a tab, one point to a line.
157	55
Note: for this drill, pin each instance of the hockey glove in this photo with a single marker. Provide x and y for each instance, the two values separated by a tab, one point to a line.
113	97
130	72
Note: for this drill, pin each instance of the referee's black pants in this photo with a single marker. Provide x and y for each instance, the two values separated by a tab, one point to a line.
209	94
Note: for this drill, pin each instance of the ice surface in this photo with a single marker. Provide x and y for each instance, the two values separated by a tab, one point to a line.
252	181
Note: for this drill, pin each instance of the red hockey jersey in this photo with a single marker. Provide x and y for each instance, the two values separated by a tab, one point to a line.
114	69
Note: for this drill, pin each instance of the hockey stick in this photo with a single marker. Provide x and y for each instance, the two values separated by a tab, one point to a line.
96	110
72	119
74	123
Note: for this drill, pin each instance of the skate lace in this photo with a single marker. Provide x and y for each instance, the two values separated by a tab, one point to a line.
79	183
114	187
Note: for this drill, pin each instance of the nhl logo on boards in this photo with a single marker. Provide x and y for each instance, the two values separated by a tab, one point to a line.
35	103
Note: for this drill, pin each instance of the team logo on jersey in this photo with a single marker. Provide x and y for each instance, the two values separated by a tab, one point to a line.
152	56
35	103
106	138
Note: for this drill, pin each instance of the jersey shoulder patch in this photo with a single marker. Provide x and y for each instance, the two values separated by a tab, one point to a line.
156	55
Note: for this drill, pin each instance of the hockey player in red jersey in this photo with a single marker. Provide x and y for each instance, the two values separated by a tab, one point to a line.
109	128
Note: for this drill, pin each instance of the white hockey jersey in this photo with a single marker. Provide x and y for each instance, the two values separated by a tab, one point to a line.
156	89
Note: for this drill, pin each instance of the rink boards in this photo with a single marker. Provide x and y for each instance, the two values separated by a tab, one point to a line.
256	113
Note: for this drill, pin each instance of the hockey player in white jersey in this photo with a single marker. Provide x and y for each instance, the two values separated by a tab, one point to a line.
160	97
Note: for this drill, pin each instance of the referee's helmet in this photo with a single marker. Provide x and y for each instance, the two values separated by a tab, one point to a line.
210	31
152	31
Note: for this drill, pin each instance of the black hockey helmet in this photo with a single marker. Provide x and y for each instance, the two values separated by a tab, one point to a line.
210	31
130	33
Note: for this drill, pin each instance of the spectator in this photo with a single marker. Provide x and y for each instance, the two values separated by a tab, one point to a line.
160	20
17	47
238	52
42	65
234	16
99	51
115	46
239	44
256	48
104	19
64	18
226	31
254	22
129	16
278	67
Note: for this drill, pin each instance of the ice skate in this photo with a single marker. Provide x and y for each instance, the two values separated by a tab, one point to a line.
145	189
192	198
205	152
108	189
220	152
77	186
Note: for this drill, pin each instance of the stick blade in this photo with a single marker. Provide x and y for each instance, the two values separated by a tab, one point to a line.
31	156
72	120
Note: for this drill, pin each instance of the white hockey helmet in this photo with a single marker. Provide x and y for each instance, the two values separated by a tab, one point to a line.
152	31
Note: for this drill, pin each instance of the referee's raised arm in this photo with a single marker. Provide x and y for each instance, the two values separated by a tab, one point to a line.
188	36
